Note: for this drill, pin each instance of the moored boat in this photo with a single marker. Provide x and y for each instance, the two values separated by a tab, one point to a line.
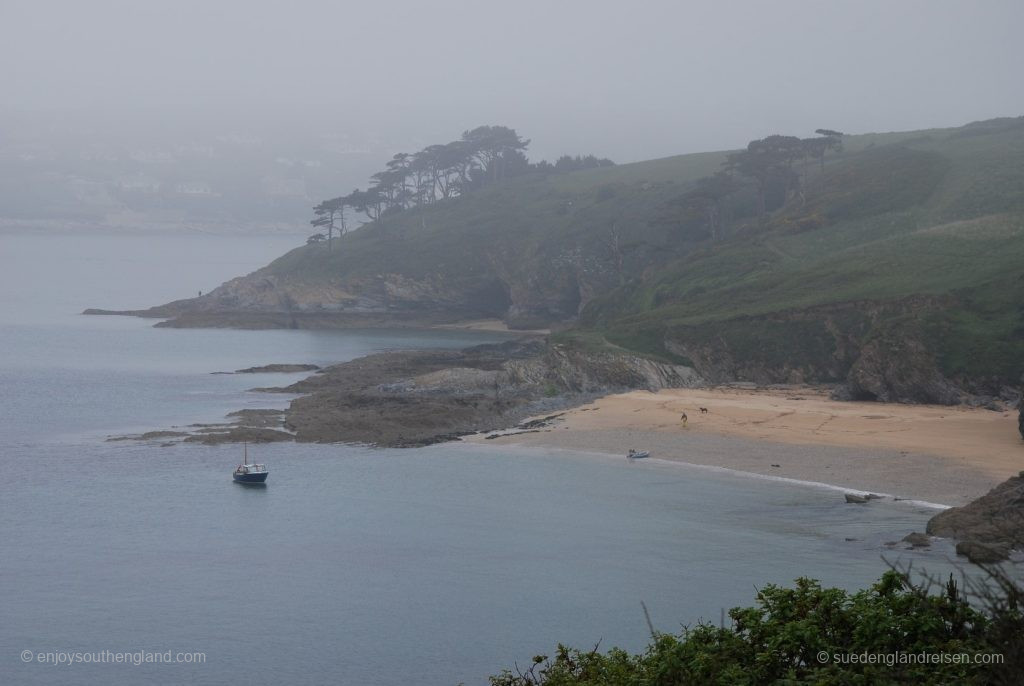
247	473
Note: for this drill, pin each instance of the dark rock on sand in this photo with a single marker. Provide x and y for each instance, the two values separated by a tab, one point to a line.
917	539
1020	419
990	526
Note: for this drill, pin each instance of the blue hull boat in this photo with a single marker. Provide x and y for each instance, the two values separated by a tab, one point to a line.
251	478
246	473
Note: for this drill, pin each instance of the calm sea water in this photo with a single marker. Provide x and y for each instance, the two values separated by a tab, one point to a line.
361	566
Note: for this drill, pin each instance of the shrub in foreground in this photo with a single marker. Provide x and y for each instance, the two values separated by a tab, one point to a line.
893	632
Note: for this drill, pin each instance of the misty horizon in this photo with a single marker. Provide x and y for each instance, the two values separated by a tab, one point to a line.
577	78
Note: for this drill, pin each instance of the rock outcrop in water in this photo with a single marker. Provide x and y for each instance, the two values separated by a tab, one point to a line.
405	399
414	398
279	369
988	528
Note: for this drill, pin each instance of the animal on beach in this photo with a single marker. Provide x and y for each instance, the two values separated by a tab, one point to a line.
683	419
703	410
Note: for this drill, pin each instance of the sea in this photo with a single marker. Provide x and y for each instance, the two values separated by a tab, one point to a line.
131	563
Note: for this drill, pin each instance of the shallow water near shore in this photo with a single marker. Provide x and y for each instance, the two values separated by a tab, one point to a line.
429	566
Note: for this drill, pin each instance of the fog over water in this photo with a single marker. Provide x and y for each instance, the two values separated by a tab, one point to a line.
628	81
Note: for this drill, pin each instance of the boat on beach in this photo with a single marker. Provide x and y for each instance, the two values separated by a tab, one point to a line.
635	454
247	473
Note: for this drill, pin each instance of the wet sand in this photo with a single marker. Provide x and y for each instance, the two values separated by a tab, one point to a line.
947	455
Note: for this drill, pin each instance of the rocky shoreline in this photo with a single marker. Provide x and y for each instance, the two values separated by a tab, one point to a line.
989	528
172	318
416	398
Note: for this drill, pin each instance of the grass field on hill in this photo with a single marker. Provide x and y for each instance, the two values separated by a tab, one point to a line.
892	216
937	214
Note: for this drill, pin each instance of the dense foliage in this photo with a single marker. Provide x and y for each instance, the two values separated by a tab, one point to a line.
438	172
812	635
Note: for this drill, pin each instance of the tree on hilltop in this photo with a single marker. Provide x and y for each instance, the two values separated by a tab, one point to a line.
490	146
768	161
817	147
326	213
708	196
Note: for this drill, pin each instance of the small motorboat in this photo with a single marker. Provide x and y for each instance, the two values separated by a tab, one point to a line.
246	473
635	454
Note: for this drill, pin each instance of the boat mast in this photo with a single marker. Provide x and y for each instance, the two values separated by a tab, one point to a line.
245	453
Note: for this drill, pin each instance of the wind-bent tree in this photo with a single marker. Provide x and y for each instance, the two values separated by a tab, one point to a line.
449	167
492	146
481	156
568	163
817	147
830	133
370	202
708	196
767	161
326	213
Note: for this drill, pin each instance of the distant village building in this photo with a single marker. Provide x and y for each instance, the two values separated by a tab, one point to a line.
193	188
140	183
151	156
90	192
290	188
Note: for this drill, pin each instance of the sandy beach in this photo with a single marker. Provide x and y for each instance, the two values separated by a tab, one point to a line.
946	455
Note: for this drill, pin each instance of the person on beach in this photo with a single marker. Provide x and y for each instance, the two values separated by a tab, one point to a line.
683	419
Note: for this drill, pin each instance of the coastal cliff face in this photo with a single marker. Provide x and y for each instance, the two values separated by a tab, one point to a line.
543	295
867	348
268	300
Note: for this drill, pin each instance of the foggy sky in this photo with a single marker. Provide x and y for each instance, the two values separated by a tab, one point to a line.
626	80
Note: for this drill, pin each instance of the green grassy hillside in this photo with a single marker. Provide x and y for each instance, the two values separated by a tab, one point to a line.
938	214
898	263
538	244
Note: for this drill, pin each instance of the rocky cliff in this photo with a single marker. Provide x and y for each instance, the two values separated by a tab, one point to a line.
1020	416
417	398
988	528
872	350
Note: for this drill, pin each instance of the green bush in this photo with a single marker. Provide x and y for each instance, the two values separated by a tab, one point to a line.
781	639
